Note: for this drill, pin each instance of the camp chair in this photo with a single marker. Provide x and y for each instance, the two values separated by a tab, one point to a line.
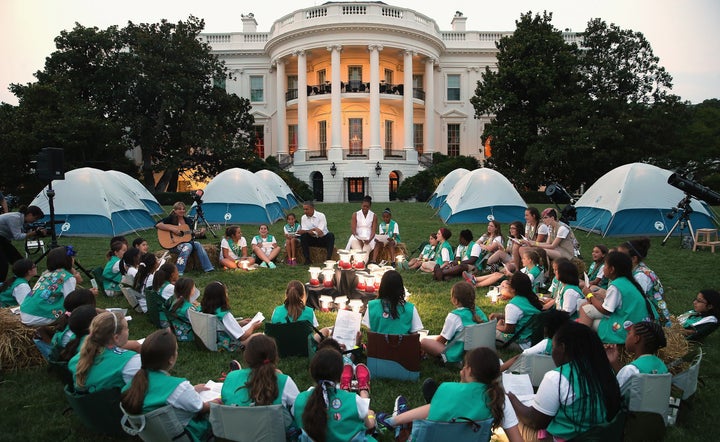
130	294
476	335
98	411
61	371
155	305
688	379
394	356
610	431
249	424
291	337
161	425
538	365
536	323
459	429
204	326
97	274
648	398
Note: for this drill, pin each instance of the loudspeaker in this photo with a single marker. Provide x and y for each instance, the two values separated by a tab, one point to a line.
50	164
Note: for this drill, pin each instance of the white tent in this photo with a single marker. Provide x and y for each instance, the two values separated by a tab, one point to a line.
94	203
446	185
279	187
237	196
482	195
634	199
139	190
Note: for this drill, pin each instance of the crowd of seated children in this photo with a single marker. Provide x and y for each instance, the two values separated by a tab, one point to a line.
467	258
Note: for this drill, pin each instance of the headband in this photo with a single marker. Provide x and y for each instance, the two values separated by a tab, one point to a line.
115	321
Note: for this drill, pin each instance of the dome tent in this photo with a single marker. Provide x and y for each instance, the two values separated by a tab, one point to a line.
446	185
277	185
139	190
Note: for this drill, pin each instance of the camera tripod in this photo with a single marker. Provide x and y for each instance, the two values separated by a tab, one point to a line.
683	207
200	218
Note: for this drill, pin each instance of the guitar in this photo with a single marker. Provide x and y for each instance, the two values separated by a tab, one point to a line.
169	240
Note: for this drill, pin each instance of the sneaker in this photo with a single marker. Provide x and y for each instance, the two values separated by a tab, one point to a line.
429	387
346	377
401	405
264	264
235	365
362	374
272	265
382	420
469	277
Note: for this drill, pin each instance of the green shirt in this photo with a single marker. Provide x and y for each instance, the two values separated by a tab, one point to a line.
460	399
389	230
6	296
46	299
613	329
111	280
280	315
343	421
528	311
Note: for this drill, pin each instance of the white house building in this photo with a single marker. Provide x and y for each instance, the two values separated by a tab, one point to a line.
353	97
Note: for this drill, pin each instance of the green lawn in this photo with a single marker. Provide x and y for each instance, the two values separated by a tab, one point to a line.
33	404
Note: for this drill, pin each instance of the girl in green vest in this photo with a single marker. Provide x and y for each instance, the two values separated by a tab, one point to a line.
102	362
596	271
144	277
462	296
581	393
327	413
444	255
523	305
703	318
44	305
478	396
153	387
292	242
390	313
265	248
79	325
294	308
389	227
426	261
230	332
570	297
177	312
62	331
643	341
111	274
14	290
652	288
552	320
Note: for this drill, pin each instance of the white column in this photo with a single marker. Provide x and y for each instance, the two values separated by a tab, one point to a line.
408	99
429	135
302	101
375	96
335	102
282	146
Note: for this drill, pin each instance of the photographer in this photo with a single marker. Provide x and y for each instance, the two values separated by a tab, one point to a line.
12	227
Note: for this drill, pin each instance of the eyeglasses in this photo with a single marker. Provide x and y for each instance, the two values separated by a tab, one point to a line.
545	217
701	301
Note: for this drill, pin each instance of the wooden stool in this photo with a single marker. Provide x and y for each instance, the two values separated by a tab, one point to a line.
706	238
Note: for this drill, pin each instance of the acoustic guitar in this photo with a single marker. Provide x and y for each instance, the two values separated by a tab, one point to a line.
169	240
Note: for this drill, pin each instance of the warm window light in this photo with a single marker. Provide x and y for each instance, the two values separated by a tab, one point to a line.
378	168
333	169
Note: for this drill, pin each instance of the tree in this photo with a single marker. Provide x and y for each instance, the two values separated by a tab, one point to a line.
537	130
421	185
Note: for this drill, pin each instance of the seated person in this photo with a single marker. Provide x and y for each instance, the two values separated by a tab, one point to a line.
390	313
523	306
265	248
560	241
643	341
179	224
111	275
596	274
570	297
363	225
388	227
314	232
503	256
44	304
552	321
230	332
427	255
233	249
294	308
467	258
291	240
703	318
14	290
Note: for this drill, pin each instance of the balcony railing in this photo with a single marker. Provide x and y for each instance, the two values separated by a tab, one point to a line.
355	87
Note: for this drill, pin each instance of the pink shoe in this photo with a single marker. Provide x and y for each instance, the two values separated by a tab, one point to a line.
362	374
346	377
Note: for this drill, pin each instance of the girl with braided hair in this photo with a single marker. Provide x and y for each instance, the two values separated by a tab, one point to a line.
643	340
327	413
581	393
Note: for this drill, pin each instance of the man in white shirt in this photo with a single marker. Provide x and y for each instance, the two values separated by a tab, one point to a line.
314	232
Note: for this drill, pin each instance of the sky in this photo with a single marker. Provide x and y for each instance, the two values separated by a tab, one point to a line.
683	33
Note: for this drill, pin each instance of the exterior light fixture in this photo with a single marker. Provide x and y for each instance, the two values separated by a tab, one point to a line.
378	168
333	169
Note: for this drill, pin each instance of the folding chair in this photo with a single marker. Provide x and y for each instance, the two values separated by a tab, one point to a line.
475	336
97	274
538	365
161	425
610	431
98	411
648	397
394	356
155	305
459	429
291	337
688	379
204	326
249	424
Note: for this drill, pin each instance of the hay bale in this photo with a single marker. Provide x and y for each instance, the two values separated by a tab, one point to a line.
193	262
318	255
677	349
384	252
17	348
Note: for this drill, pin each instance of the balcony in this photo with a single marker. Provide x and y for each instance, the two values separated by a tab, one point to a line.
355	87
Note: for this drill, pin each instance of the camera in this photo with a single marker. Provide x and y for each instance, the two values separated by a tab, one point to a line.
683	207
197	196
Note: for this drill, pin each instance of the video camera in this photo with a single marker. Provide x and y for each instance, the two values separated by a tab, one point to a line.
694	189
558	195
197	196
38	226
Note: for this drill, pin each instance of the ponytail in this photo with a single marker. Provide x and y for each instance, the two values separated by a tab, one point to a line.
325	368
485	369
102	330
464	293
261	355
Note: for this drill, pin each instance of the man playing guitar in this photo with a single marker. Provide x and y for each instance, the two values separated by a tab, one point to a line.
175	233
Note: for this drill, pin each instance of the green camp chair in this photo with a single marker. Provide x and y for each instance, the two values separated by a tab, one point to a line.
99	411
291	337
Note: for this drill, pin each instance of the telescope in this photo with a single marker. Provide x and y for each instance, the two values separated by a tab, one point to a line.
558	195
694	189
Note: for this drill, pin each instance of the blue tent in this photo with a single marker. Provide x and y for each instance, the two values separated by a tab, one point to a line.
634	199
280	189
446	185
139	190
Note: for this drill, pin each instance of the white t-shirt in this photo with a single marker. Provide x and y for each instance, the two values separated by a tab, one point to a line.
513	314
537	349
563	231
644	281
21	291
453	324
548	397
267	244
186	402
613	299
168	292
225	244
317	220
445	253
571	301
624	376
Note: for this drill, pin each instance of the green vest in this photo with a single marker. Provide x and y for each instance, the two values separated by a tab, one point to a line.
460	399
612	330
106	371
528	311
280	315
535	272
181	323
438	257
234	391
343	422
389	230
650	364
111	280
561	299
454	352
6	296
382	322
568	423
46	299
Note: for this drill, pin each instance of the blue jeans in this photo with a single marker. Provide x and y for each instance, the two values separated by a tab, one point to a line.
184	251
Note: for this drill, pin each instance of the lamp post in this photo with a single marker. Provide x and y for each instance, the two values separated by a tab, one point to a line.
333	169
378	168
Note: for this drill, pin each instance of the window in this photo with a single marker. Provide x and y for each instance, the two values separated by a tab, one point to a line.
321	76
354	77
388	137
388	76
453	140
322	137
292	92
292	138
257	89
219	82
355	134
259	130
453	87
418	134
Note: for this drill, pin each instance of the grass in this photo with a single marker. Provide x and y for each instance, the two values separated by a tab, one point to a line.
33	402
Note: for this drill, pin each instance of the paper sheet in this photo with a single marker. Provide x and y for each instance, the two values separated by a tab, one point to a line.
587	280
214	391
257	318
520	385
347	326
381	238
